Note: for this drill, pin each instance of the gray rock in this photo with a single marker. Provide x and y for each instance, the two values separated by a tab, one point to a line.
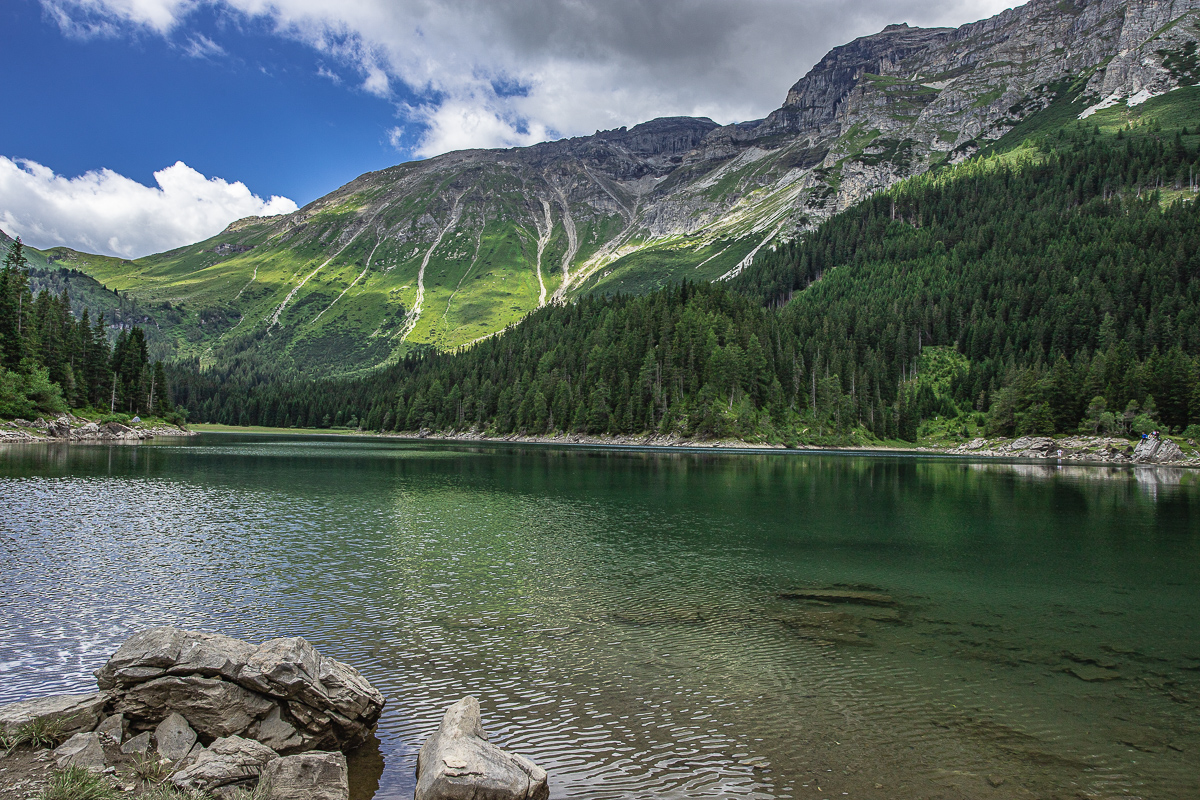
280	735
155	652
174	737
459	763
138	745
59	428
213	707
81	750
1153	450
283	692
76	712
292	668
228	760
112	728
312	776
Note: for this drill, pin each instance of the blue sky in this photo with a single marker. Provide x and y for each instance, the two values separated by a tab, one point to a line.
259	112
135	126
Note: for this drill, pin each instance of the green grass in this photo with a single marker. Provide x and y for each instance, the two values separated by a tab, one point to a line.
76	783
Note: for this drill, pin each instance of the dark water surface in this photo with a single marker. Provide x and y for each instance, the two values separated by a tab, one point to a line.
619	613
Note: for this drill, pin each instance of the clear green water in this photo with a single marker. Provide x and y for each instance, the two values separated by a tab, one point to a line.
618	613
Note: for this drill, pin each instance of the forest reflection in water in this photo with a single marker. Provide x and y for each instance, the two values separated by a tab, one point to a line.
647	623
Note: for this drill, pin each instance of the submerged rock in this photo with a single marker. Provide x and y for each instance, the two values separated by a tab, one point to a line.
458	763
841	596
313	776
282	693
74	712
1092	674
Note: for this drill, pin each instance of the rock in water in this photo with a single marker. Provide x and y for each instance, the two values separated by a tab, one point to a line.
75	712
312	776
459	763
282	693
226	761
174	738
81	750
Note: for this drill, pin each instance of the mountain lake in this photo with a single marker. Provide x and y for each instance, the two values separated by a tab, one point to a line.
667	624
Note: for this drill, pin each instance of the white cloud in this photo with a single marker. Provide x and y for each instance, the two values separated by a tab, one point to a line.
572	66
200	46
105	212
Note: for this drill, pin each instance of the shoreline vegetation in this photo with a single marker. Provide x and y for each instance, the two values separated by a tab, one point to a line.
85	426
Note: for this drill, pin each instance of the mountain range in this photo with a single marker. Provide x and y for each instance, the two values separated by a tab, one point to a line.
448	251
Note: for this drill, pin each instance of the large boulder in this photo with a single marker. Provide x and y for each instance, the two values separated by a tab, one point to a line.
282	693
227	761
459	763
1154	450
74	712
312	776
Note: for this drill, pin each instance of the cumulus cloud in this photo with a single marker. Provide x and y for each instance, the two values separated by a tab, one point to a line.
500	73
105	212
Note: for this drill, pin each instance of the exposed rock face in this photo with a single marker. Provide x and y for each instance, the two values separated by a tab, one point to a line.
227	761
579	214
72	429
282	692
216	707
76	712
459	763
1153	450
313	776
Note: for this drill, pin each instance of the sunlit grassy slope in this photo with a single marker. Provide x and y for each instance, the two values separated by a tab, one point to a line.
448	251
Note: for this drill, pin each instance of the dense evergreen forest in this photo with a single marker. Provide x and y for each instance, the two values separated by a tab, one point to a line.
1055	290
51	361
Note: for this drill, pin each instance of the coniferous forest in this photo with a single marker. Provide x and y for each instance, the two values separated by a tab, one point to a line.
51	361
1058	291
1051	290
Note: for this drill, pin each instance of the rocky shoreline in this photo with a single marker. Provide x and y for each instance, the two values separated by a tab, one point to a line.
202	716
1152	451
69	428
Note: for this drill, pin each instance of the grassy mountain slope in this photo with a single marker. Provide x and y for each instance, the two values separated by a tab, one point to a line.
1051	287
451	250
